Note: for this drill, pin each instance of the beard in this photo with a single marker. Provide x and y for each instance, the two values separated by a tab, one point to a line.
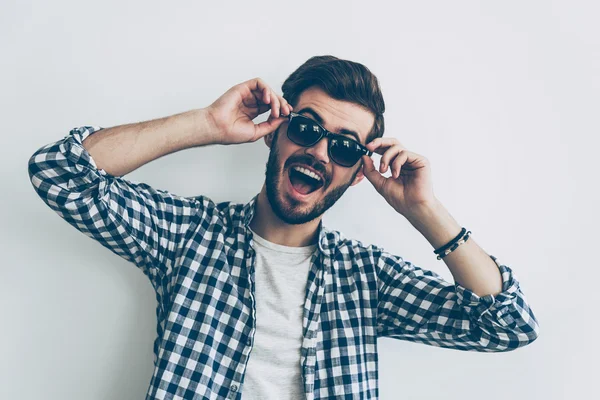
288	210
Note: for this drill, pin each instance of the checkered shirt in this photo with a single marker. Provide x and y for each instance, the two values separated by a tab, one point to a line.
199	257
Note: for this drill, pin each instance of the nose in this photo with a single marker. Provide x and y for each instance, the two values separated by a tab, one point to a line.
319	150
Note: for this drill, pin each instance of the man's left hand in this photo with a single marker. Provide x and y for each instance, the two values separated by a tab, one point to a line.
410	188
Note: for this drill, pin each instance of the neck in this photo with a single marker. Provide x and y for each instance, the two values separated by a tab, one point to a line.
267	225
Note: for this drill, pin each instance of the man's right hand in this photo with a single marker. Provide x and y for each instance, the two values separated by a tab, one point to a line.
231	114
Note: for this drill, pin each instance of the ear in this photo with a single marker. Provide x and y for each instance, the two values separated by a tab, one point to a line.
269	136
359	175
269	139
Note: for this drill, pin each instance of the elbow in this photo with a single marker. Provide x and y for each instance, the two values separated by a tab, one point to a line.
524	331
49	175
34	169
513	339
527	334
506	334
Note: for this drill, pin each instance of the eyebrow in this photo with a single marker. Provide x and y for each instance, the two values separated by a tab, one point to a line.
319	119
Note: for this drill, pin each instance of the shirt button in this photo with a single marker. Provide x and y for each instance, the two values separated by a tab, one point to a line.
234	388
249	341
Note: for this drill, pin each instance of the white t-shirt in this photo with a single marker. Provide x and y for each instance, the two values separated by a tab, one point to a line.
273	370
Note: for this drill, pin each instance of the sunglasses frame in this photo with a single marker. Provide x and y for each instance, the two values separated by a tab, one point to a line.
329	135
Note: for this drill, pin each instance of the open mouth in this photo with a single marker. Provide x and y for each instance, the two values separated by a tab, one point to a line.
304	181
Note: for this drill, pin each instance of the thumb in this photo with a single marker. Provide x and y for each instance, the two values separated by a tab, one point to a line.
372	174
266	127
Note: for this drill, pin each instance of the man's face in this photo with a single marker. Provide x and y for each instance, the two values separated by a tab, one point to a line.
287	203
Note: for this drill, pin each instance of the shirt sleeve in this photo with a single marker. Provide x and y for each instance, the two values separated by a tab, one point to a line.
420	306
141	224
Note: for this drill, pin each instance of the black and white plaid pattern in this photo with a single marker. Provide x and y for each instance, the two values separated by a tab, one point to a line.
198	256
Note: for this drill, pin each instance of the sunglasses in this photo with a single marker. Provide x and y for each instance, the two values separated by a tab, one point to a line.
307	132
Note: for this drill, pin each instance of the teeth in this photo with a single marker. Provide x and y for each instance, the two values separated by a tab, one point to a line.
307	172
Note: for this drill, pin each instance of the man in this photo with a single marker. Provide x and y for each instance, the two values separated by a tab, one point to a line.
261	299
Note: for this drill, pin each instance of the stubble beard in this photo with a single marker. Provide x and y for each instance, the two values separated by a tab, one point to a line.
289	211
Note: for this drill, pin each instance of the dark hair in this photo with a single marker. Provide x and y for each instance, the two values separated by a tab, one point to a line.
341	79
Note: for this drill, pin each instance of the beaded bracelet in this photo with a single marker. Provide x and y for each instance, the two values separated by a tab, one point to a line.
453	244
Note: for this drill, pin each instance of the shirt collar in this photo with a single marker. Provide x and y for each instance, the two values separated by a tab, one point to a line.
328	239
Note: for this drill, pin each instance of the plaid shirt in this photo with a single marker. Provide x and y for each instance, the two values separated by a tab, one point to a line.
200	260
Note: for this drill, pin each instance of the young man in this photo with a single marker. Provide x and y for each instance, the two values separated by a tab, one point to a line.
261	299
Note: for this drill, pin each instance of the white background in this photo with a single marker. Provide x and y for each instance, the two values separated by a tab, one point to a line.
502	97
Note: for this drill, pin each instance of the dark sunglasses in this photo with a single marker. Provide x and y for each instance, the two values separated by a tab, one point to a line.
307	132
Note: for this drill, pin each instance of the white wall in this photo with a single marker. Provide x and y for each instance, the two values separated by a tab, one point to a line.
502	97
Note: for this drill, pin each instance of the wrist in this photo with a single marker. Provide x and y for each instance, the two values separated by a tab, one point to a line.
419	213
435	223
205	129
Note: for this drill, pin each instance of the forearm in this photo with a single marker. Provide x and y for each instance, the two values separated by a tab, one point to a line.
469	264
121	149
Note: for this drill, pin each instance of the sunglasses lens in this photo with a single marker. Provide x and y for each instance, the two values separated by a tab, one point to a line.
303	132
345	152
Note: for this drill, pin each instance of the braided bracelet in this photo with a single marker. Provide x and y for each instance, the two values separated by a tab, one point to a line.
454	246
450	243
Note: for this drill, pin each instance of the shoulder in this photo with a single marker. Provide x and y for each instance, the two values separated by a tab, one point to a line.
354	246
355	252
224	211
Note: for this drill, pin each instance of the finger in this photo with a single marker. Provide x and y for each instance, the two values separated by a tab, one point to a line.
377	146
388	156
276	102
386	141
262	108
372	175
258	100
261	100
380	145
398	162
275	106
266	127
267	99
285	107
282	106
258	87
266	95
257	84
